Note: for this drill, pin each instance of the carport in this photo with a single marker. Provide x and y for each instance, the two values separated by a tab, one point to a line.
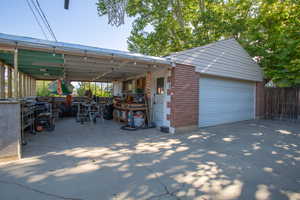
32	59
25	60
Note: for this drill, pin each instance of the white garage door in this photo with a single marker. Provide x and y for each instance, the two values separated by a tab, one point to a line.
224	101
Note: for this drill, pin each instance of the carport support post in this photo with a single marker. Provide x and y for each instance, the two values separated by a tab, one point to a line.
134	85
23	94
28	86
31	86
148	95
34	87
148	85
2	82
21	84
9	82
16	78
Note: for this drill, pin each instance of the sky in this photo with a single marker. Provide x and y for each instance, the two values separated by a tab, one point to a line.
80	24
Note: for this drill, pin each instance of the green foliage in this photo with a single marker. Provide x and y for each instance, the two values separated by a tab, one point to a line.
280	41
268	29
42	88
105	91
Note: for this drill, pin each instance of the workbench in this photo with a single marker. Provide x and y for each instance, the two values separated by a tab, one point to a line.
119	109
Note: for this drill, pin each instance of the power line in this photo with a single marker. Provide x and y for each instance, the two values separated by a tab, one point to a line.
35	7
41	16
39	10
37	21
46	20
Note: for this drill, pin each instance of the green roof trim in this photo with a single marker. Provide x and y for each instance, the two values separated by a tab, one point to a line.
35	62
22	52
36	72
49	68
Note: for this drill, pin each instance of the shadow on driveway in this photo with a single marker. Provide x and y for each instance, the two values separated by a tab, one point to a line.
246	160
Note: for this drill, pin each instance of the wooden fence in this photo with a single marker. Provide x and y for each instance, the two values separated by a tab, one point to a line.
282	103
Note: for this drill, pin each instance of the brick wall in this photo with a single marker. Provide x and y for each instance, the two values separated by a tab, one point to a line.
260	100
184	96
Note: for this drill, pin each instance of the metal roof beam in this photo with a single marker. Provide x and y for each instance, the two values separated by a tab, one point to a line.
36	67
35	72
100	68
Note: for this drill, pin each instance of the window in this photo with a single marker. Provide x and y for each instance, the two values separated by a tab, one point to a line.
141	83
160	85
127	86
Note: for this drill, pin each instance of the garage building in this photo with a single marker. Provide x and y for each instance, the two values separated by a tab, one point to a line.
205	86
224	81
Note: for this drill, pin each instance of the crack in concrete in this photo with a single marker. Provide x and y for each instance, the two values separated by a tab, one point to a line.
38	191
167	191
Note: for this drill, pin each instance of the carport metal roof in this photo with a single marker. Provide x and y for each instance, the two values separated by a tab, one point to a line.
48	60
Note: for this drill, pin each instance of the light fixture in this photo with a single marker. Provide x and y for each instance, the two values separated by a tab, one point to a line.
134	63
43	70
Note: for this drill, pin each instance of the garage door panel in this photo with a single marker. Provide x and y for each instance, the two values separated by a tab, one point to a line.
224	101
220	83
225	117
226	97
220	110
228	102
232	112
228	86
235	93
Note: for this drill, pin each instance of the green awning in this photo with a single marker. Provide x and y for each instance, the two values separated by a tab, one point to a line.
35	63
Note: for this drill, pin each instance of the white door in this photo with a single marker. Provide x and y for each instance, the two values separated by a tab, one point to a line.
158	101
224	101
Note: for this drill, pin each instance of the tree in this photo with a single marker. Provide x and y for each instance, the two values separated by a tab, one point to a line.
268	29
42	88
277	41
104	89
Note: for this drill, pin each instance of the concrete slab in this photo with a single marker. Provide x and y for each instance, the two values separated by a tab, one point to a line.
246	160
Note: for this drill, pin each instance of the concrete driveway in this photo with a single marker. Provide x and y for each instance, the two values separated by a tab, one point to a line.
247	160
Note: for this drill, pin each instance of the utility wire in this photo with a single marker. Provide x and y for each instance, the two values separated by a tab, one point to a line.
41	16
37	21
47	22
39	10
